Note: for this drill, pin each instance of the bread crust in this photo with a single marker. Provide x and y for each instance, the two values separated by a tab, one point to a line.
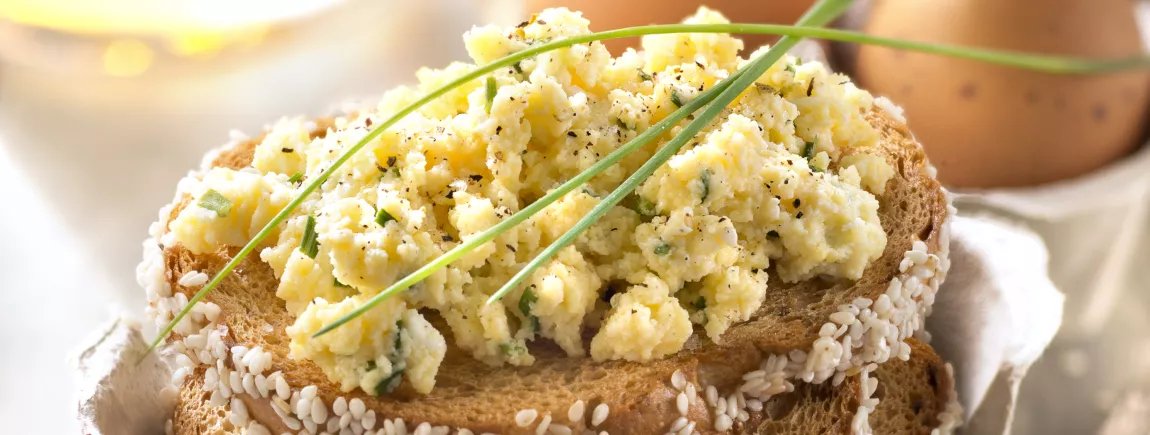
482	398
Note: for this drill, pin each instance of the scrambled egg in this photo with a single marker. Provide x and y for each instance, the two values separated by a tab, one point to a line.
766	184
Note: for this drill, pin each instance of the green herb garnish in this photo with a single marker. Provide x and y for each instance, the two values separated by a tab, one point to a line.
623	125
518	69
662	249
296	178
309	245
646	208
491	90
392	381
512	348
527	303
700	303
676	99
382	217
340	284
789	68
644	76
705	179
217	202
808	150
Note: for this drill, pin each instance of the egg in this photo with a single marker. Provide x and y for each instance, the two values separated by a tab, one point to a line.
989	126
607	15
769	183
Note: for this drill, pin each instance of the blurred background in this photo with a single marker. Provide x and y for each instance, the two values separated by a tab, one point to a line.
105	104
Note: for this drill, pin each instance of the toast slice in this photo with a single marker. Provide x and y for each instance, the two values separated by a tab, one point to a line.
817	332
914	397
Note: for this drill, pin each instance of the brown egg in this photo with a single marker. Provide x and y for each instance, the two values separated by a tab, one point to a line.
985	125
613	14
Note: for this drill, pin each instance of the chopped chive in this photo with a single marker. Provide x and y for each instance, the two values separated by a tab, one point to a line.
295	178
623	125
700	303
790	68
662	249
340	284
526	304
518	69
309	245
646	208
705	179
391	382
371	365
808	150
382	217
675	99
217	202
527	301
491	90
512	348
644	76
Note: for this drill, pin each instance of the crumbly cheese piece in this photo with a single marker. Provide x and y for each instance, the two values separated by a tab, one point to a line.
644	323
783	177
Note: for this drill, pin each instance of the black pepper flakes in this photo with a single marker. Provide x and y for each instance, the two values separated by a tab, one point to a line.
572	134
799	216
367	122
796	203
498	129
811	87
511	248
391	161
476	178
447	238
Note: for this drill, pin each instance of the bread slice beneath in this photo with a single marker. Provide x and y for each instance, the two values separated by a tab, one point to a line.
640	397
915	397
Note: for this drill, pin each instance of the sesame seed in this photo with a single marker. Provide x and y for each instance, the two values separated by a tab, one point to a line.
559	429
575	413
423	429
339	406
723	423
599	415
680	423
681	403
356	407
525	417
692	395
687	430
344	420
678	380
754	405
712	395
368	420
282	389
543	425
333	424
318	411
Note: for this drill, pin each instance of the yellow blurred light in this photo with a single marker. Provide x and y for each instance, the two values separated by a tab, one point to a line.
127	58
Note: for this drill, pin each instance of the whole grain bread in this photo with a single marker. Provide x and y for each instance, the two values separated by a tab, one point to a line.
482	398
